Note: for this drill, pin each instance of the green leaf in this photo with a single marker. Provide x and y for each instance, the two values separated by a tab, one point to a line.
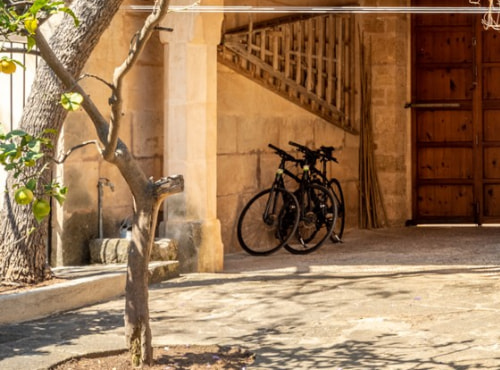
71	101
50	131
31	184
13	133
60	198
31	42
70	13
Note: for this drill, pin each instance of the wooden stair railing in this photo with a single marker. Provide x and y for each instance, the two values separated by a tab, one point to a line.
307	60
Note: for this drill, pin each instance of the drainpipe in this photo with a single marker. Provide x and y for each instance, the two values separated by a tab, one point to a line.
103	181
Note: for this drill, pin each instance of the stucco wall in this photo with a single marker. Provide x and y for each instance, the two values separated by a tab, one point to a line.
76	222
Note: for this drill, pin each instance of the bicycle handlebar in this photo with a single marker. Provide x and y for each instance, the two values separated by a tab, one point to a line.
283	154
325	152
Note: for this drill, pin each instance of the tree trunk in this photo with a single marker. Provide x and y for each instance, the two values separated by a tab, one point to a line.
23	259
148	195
137	328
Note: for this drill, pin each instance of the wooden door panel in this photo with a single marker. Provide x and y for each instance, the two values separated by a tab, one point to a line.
491	52
491	125
445	163
444	84
491	83
492	200
491	163
445	201
444	126
439	47
456	134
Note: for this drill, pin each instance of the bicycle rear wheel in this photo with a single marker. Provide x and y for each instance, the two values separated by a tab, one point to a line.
317	219
338	228
268	221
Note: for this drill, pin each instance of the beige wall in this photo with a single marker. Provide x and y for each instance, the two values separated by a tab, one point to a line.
250	117
76	223
389	36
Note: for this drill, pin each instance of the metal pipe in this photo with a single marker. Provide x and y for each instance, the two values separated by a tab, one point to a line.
103	181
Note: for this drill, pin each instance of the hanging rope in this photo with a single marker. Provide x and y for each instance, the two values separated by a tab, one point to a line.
372	212
492	17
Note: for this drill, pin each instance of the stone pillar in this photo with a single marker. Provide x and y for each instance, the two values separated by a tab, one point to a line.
191	136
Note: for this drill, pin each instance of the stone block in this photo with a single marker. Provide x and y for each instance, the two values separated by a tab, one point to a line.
257	133
226	134
147	133
115	250
236	174
228	210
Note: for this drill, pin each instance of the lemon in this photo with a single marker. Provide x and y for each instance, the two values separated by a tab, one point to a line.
41	209
31	25
23	196
7	66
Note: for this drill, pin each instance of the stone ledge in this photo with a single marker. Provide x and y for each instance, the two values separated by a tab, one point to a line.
115	250
75	293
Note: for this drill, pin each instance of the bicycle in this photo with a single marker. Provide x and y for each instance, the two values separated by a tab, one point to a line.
325	155
318	209
271	217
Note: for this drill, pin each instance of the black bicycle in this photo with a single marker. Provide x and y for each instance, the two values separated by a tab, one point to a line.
270	219
325	154
318	209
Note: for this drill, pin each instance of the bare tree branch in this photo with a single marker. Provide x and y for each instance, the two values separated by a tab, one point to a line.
108	84
138	44
76	147
69	81
167	186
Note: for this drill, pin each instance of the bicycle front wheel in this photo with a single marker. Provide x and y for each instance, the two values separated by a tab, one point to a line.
317	219
268	221
338	228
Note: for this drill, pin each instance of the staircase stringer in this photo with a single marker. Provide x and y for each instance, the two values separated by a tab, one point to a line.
307	61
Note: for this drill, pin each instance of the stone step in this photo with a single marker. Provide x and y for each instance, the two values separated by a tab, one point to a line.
86	285
115	250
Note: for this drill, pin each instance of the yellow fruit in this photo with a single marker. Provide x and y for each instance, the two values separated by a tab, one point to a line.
31	24
41	209
7	66
23	196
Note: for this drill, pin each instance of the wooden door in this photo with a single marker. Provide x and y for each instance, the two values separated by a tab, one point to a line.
456	118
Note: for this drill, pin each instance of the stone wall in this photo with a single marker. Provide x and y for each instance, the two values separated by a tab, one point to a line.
250	117
76	222
388	36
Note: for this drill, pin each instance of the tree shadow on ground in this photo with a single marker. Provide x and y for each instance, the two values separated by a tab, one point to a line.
364	354
33	338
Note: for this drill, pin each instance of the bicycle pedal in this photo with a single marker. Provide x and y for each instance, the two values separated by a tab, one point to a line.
337	239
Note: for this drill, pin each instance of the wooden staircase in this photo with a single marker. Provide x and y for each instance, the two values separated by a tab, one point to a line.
305	59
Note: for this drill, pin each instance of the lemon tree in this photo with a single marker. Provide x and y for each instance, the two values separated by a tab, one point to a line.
19	151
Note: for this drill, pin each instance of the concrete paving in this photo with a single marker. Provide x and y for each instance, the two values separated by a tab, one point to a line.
410	298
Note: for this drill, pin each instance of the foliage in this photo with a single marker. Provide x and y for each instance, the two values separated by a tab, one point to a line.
20	152
23	17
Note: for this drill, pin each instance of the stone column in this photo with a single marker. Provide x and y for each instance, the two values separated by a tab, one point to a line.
191	136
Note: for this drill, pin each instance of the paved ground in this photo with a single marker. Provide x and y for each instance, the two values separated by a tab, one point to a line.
413	298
